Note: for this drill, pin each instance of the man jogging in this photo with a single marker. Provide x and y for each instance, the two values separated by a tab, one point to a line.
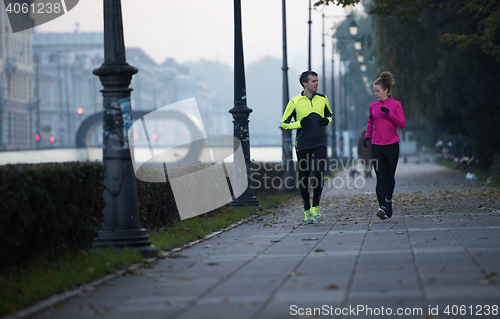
311	114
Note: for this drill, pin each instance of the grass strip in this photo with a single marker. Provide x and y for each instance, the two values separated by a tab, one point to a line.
481	175
42	280
197	227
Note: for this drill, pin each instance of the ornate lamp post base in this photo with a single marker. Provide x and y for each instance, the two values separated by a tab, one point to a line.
136	239
240	115
245	200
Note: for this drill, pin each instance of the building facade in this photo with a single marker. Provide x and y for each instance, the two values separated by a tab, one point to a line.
17	100
69	92
66	88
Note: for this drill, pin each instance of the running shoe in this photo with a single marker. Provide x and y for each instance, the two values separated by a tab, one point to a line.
308	217
381	213
316	213
388	208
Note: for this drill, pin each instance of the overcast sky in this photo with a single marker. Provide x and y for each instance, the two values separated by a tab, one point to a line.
204	29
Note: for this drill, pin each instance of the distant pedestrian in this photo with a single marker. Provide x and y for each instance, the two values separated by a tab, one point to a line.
386	115
311	114
365	154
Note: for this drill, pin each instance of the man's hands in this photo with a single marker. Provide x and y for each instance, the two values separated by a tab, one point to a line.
305	121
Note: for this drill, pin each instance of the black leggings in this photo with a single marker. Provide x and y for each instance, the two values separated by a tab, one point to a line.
385	160
311	163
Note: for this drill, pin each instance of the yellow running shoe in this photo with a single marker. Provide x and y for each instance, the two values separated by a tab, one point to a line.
308	217
316	212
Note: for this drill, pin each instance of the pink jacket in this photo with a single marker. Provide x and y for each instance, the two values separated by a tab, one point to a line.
382	128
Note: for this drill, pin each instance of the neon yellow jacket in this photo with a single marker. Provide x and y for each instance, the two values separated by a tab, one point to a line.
313	135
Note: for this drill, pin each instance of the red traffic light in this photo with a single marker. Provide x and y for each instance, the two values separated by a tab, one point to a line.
79	110
37	137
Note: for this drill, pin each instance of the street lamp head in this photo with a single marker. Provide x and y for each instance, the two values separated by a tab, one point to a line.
361	58
363	67
353	28
348	9
357	44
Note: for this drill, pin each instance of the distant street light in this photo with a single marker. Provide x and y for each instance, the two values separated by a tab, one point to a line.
353	28
348	9
357	44
353	31
121	227
361	58
362	67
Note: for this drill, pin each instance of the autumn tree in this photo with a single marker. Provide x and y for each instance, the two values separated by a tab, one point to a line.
484	13
455	88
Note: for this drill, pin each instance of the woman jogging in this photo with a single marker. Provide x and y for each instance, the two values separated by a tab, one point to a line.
386	115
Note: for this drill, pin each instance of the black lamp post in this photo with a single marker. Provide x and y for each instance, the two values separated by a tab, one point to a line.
121	227
309	48
288	184
240	111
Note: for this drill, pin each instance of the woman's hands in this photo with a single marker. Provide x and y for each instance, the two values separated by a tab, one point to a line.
365	140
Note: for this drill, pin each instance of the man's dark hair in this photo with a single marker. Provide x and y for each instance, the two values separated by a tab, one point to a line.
305	76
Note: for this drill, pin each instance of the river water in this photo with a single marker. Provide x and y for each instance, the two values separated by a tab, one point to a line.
259	154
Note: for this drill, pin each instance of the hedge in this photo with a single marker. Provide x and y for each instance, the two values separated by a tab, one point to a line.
48	210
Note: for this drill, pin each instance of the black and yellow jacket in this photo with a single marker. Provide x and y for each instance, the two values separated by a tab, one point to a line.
313	135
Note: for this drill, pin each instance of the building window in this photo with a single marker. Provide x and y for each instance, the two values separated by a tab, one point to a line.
54	57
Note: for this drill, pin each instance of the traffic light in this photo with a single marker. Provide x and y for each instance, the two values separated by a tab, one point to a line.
79	111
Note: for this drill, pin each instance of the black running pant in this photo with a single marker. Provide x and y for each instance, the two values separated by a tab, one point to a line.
385	160
311	163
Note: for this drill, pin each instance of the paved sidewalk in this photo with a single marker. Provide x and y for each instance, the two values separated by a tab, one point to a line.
440	251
